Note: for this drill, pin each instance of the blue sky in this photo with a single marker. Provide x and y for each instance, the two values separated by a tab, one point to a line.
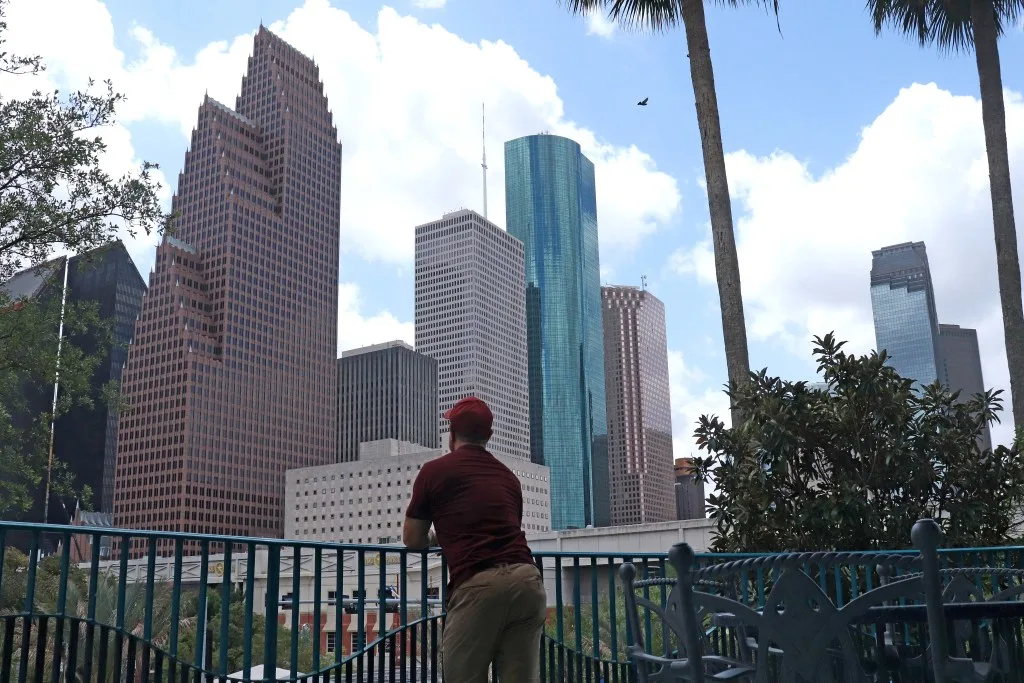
839	142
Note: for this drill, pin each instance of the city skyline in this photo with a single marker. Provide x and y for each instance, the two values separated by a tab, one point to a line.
231	376
406	89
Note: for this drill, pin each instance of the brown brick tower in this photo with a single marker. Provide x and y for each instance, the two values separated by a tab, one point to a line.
231	377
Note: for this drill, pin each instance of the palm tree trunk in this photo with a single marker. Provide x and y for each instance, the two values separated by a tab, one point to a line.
993	116
727	267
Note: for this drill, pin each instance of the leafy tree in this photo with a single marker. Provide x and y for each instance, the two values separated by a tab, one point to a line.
26	385
605	625
659	15
53	194
963	26
236	638
854	465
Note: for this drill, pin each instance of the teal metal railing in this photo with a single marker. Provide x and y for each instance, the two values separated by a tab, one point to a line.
82	604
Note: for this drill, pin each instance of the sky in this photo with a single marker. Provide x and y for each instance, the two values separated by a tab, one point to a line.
838	142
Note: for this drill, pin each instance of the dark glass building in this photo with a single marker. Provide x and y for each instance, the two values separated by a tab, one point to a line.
903	307
689	491
386	391
551	206
232	374
85	437
961	365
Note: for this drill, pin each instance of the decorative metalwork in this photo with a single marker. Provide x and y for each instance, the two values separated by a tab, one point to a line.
854	617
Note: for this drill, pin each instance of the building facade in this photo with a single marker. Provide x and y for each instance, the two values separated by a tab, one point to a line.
639	407
961	365
365	501
232	376
85	437
386	391
471	318
689	491
551	206
903	307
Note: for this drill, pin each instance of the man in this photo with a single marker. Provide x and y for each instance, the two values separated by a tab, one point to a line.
496	601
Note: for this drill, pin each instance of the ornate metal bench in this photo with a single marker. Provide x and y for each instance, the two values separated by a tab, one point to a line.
799	633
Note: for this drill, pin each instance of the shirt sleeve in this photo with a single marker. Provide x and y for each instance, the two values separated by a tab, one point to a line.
519	499
419	503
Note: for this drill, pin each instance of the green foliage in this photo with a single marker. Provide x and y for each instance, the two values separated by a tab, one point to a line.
946	25
26	386
605	623
53	193
854	466
651	15
236	638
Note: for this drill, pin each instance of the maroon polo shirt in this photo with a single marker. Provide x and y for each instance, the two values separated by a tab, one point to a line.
476	506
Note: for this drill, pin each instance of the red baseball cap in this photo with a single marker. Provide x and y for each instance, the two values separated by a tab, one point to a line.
470	417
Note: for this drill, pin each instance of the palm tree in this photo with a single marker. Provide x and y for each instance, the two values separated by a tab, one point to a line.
959	26
658	15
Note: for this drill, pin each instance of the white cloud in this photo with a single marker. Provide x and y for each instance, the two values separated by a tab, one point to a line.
67	71
406	98
691	398
918	173
599	25
430	4
355	330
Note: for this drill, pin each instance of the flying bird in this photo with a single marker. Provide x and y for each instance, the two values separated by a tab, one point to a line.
643	102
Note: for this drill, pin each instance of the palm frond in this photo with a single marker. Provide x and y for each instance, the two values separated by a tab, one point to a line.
650	15
944	24
772	5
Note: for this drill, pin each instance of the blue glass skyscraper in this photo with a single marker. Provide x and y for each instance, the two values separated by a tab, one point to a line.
551	206
903	306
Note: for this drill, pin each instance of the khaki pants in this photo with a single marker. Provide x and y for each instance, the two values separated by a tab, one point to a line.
495	616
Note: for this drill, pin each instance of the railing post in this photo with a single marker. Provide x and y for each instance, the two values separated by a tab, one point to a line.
273	595
926	536
681	556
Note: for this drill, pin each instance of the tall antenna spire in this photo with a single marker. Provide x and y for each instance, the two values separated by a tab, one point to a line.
483	137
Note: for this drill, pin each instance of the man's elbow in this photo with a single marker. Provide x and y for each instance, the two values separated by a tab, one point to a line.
413	543
413	539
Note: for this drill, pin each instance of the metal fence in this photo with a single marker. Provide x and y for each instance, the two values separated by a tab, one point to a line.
80	604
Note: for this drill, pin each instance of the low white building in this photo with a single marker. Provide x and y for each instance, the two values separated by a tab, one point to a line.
364	501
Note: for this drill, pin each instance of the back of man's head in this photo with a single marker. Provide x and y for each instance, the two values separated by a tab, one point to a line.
470	421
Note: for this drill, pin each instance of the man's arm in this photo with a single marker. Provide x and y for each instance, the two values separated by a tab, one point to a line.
416	532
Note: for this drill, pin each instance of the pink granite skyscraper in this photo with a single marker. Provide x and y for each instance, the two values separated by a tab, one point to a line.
231	376
639	406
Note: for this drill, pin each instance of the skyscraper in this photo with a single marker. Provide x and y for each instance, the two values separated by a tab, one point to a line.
961	365
551	205
639	407
386	391
85	437
471	317
903	306
232	375
689	491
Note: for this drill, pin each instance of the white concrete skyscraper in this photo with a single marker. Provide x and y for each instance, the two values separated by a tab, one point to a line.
471	317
